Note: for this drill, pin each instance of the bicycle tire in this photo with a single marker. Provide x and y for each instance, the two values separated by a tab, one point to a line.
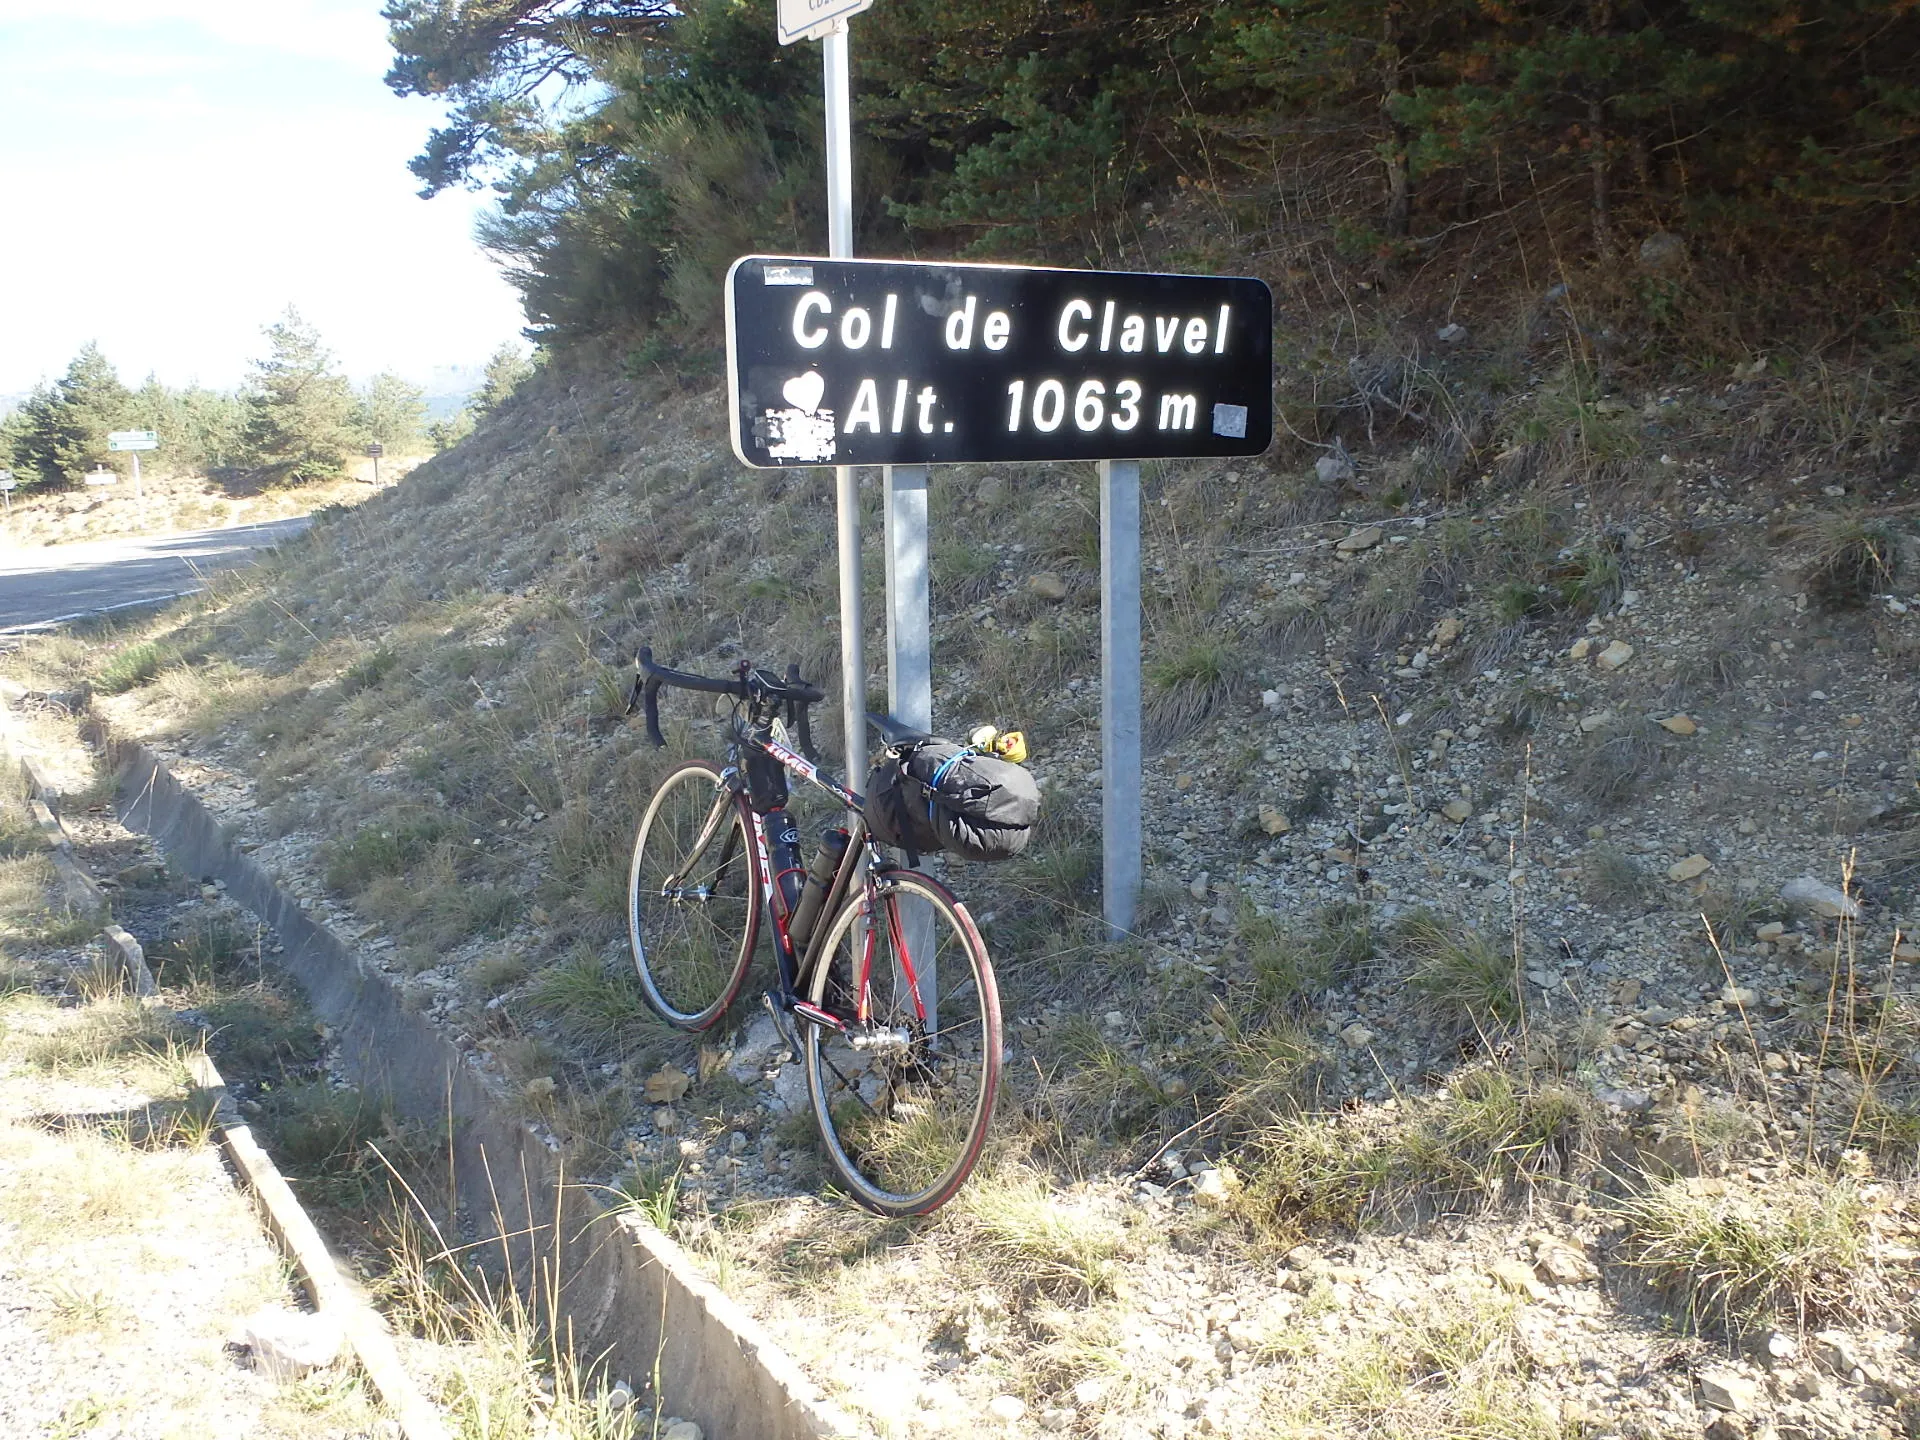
904	1123
692	947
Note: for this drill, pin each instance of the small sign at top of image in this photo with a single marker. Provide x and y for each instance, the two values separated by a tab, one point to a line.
810	19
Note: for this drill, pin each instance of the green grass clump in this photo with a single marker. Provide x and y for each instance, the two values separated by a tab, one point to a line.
1735	1256
599	1005
1192	675
1290	964
385	849
133	666
1470	981
1453	1369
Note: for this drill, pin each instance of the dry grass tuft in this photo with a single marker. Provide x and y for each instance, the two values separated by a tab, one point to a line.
1735	1256
1070	1244
1617	762
1850	559
1457	1151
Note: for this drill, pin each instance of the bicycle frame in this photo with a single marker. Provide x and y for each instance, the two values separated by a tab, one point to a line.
781	856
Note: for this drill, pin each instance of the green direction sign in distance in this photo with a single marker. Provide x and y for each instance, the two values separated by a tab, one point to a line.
887	362
133	440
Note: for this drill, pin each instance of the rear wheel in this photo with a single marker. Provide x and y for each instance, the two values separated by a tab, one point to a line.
693	893
905	1095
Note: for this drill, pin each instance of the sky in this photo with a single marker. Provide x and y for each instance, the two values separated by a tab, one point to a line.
175	173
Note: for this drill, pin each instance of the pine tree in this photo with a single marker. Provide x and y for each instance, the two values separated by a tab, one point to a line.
60	432
299	412
393	414
506	368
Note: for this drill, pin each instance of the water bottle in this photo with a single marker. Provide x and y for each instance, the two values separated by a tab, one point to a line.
813	894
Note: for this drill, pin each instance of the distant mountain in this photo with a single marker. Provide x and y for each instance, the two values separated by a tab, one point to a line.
449	387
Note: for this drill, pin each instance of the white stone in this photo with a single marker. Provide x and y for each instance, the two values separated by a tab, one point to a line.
1807	893
1006	1408
1723	1389
286	1344
1835	1351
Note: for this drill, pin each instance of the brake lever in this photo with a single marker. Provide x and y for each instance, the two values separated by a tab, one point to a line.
650	694
797	712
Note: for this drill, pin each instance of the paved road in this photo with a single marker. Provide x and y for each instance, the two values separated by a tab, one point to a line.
46	585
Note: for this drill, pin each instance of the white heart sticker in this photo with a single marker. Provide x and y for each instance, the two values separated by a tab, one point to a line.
804	391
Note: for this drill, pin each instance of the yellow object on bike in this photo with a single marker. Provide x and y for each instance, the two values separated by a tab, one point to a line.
1009	745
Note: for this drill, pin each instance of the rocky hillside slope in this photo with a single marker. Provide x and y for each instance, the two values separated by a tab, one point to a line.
1520	1034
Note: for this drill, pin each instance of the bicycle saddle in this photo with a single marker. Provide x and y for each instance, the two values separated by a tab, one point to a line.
895	733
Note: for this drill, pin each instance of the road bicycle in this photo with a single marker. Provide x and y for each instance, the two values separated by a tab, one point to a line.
882	984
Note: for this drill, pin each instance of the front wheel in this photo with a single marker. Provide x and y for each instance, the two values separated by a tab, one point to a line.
693	893
904	1095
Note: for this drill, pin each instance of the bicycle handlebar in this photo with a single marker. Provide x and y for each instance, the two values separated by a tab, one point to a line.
748	684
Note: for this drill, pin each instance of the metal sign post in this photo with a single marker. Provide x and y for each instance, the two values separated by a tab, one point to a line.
853	648
134	441
374	452
6	490
1119	694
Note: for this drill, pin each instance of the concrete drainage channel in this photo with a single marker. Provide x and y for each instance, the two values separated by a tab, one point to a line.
626	1293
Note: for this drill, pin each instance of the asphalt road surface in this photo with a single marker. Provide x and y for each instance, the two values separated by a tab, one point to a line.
46	585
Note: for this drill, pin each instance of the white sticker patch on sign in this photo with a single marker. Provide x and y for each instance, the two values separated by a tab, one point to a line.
789	275
1230	421
798	435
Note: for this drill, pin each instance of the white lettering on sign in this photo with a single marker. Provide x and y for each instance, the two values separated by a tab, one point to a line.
1090	410
866	408
855	326
1178	412
960	325
1076	310
1192	333
865	411
810	339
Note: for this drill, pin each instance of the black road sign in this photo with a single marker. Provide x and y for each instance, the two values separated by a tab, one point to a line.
888	362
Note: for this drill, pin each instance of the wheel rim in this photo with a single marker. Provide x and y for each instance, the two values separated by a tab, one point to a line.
691	937
904	1109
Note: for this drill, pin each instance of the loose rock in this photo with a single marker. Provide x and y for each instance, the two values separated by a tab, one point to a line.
1691	868
1360	540
1727	1390
1818	898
